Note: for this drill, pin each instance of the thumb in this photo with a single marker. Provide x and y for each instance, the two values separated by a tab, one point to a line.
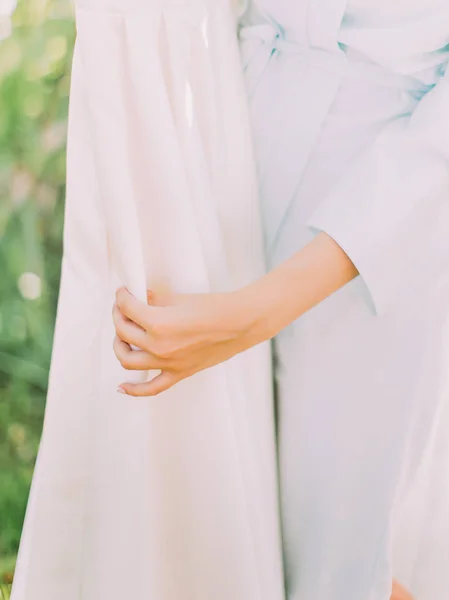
160	295
155	386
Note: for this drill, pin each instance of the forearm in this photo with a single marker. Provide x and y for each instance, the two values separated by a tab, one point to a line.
298	284
183	334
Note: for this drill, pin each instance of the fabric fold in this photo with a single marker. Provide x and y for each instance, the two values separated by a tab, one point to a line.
391	212
171	497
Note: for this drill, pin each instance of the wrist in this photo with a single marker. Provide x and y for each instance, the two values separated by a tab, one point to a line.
259	307
278	298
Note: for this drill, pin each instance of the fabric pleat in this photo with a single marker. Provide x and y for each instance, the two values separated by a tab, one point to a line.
176	496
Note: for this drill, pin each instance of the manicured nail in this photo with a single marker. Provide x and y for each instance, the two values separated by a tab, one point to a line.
120	390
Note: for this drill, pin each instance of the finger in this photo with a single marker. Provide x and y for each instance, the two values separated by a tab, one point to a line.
160	297
132	308
160	383
128	331
135	360
399	592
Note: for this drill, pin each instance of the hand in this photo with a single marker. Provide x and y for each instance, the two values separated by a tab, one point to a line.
399	593
179	335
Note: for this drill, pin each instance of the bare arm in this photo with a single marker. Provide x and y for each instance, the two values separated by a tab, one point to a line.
298	284
183	334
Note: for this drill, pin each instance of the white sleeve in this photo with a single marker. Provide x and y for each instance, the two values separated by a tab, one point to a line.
391	214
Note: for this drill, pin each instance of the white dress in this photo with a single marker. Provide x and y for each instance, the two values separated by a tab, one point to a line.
170	498
350	114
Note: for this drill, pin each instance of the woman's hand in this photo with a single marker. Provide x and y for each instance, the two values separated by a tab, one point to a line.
399	593
184	334
179	335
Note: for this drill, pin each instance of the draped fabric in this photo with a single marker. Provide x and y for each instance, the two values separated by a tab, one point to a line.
175	497
170	497
349	104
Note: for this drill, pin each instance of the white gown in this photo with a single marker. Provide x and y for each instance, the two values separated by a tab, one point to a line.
350	113
170	498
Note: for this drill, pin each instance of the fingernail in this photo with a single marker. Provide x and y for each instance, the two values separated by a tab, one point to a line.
120	390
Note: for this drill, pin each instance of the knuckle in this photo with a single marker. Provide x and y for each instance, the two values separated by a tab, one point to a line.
115	315
123	357
145	316
120	295
126	363
117	348
146	344
160	328
119	329
163	350
163	354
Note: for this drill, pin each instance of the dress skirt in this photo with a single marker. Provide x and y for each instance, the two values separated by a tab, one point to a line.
174	497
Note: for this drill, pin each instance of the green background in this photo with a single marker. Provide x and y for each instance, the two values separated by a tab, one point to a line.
34	87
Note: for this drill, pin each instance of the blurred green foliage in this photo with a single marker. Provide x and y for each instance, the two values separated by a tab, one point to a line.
5	591
34	86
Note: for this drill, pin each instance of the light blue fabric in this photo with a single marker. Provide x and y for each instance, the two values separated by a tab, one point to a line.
391	213
350	113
